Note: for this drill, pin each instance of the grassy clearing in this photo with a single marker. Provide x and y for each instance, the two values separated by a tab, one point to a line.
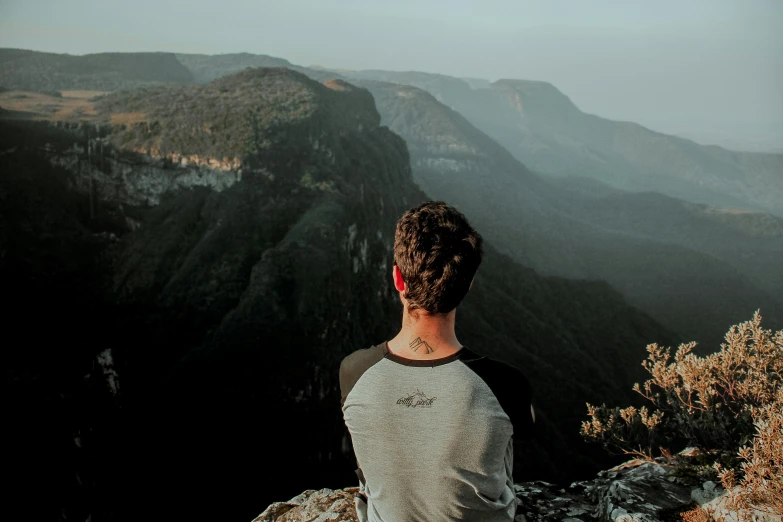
71	106
127	118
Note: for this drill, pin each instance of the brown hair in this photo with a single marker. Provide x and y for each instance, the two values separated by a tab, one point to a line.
438	253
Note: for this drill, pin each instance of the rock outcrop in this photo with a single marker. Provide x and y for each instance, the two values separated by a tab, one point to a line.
324	504
636	491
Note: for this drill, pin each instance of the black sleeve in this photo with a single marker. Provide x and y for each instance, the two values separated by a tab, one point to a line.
355	365
351	368
513	392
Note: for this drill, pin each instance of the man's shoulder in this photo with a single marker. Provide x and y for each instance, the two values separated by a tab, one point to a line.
511	388
495	372
362	359
355	364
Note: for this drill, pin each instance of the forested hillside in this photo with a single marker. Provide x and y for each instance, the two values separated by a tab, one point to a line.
225	300
37	71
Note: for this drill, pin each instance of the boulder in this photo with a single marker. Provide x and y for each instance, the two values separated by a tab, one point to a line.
313	506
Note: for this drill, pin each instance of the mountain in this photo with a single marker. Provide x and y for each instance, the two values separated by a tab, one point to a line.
751	242
213	259
689	266
537	123
208	67
753	251
543	129
38	71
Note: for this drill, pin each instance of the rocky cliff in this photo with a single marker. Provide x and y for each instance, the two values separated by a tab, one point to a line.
636	491
228	293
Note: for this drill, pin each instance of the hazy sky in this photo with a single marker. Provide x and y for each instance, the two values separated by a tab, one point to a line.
704	67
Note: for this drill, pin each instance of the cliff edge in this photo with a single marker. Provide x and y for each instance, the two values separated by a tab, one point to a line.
636	491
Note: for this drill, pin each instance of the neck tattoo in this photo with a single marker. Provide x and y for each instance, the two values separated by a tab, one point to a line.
418	343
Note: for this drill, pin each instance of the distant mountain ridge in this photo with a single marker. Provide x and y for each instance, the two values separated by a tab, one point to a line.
542	128
533	120
37	71
687	265
22	69
208	67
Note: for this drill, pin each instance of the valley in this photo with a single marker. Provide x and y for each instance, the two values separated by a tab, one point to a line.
222	227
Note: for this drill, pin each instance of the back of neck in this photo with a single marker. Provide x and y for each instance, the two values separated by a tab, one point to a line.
427	337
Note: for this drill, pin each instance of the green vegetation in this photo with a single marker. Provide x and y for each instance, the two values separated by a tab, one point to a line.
250	112
45	72
226	118
206	68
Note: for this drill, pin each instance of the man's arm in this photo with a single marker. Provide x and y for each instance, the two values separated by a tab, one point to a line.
351	369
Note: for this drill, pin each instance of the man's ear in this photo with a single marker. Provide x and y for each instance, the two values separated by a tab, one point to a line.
399	284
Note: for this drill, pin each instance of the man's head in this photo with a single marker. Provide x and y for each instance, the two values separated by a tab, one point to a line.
436	256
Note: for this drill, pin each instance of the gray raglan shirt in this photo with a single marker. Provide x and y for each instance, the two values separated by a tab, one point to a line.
433	439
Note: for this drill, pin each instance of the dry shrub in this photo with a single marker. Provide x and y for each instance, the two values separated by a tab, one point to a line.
761	467
729	403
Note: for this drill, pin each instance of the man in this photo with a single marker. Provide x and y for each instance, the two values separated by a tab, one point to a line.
430	421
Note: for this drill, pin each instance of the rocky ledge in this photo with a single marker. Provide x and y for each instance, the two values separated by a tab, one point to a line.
636	491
